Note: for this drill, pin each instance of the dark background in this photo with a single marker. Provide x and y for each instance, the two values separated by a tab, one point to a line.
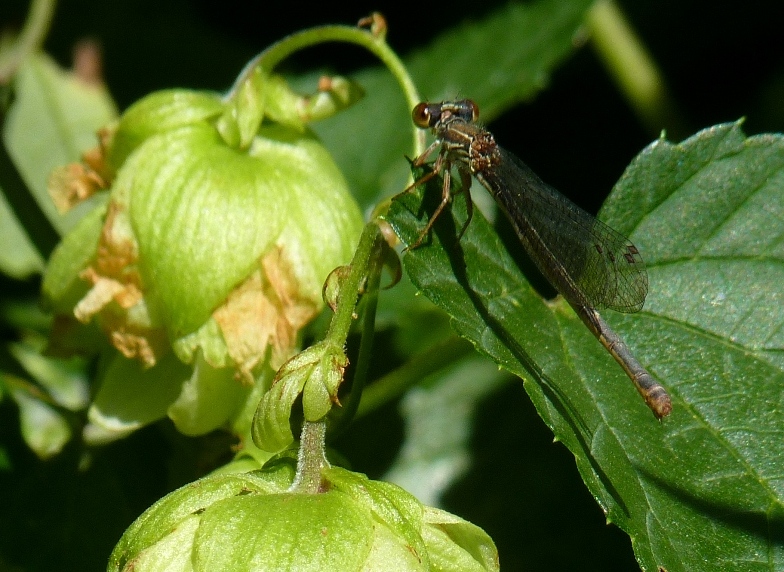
722	60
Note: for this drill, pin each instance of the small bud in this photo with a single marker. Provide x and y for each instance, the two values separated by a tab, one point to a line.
332	286
316	373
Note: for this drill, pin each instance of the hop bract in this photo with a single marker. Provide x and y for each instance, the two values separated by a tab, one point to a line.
250	522
203	264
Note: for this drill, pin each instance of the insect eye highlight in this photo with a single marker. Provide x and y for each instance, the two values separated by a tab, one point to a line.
422	116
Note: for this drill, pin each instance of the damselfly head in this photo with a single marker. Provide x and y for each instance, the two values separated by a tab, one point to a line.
428	115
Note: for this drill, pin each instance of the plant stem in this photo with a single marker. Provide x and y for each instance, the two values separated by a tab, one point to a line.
369	243
366	344
634	69
311	458
277	52
39	19
311	453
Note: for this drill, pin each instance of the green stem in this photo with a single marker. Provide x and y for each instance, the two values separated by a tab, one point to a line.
430	361
277	52
311	458
311	451
39	19
351	405
634	69
349	290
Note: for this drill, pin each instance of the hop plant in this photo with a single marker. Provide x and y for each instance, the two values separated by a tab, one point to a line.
253	521
205	260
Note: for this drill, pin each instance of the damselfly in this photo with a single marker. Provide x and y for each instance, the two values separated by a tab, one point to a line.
589	263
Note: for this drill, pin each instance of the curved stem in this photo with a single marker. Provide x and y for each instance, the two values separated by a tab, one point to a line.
277	52
634	69
349	289
31	38
312	441
351	405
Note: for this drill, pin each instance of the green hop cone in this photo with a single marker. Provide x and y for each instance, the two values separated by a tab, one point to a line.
206	250
251	522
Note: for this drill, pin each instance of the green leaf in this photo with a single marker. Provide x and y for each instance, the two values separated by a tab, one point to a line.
131	397
64	380
20	258
439	415
705	214
208	399
159	112
52	122
43	428
193	261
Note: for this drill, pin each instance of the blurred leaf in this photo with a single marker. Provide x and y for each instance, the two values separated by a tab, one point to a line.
24	313
208	398
131	397
439	415
62	286
705	215
504	59
43	428
19	258
5	461
64	380
52	122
